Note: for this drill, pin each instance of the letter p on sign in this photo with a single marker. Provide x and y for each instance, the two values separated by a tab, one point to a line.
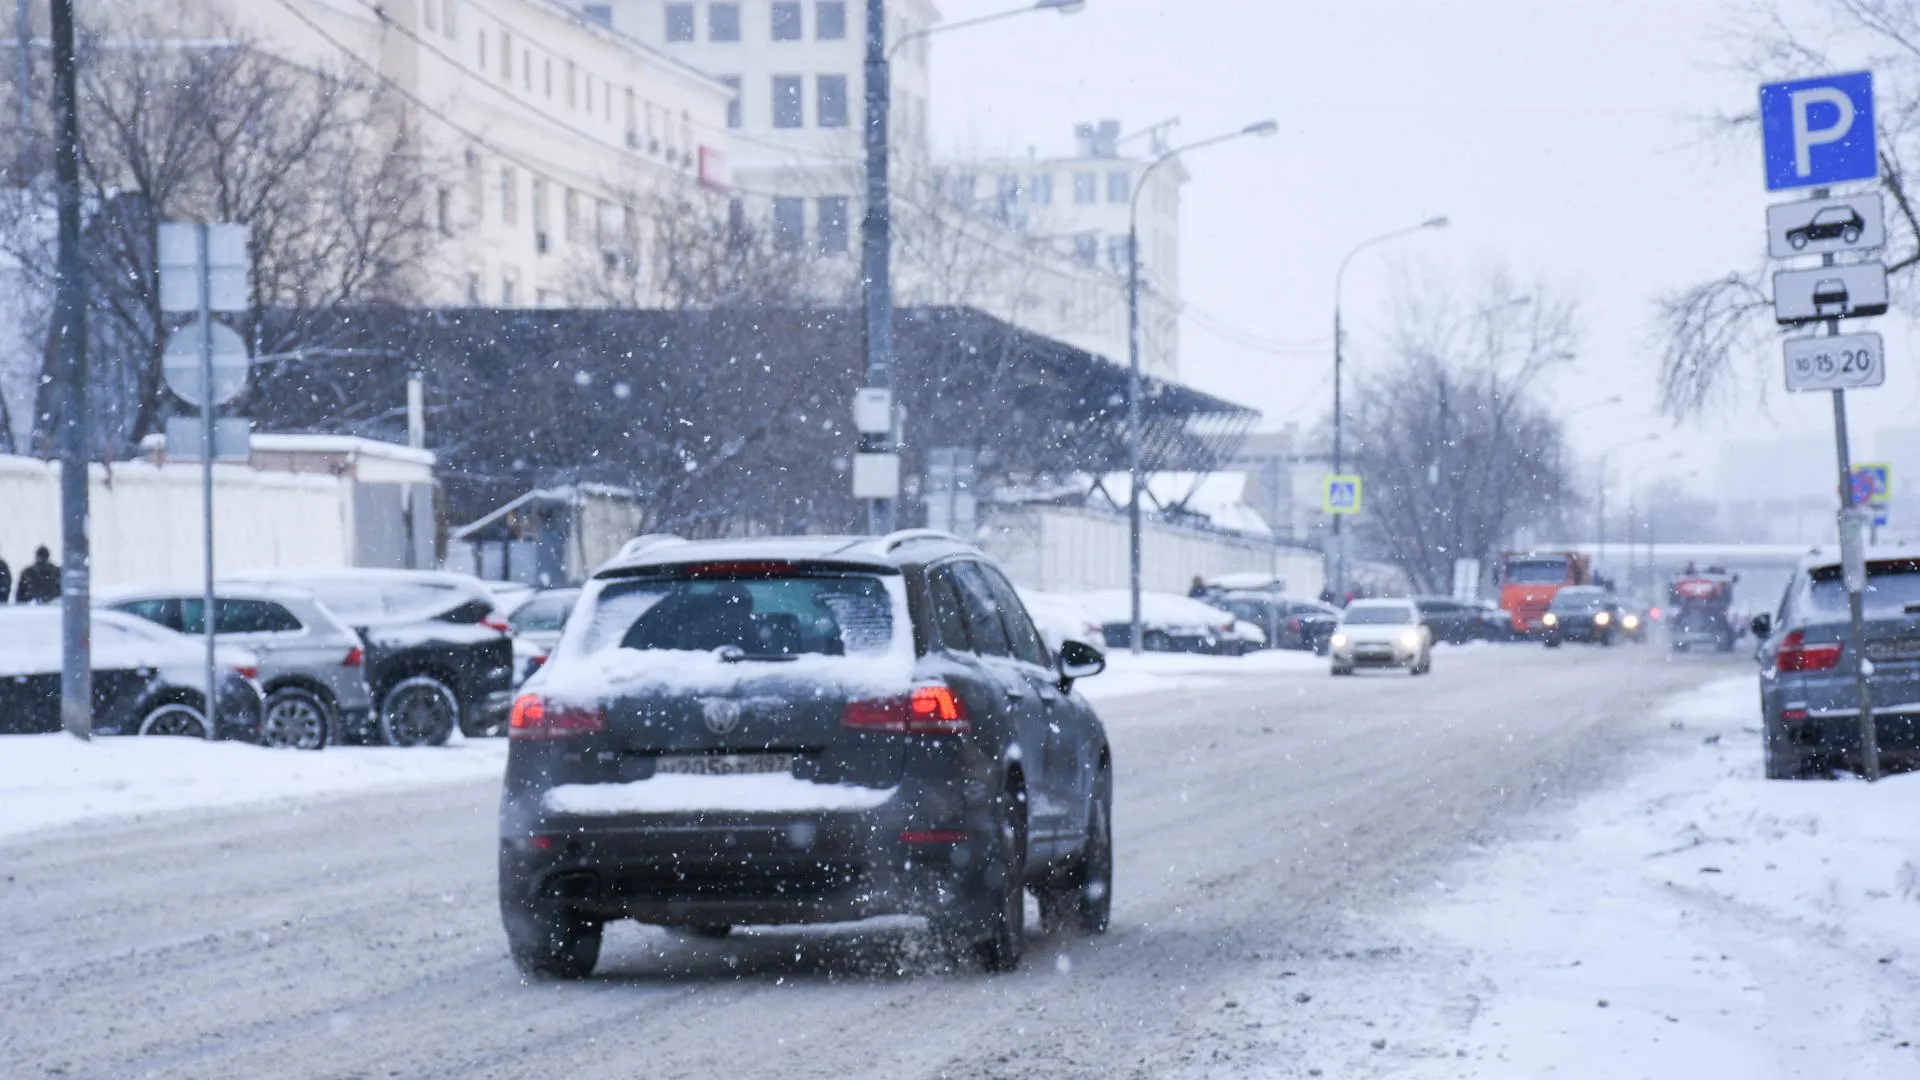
1819	131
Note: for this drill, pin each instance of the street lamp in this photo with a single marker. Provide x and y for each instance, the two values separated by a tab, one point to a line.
1339	584
1262	129
1601	555
876	250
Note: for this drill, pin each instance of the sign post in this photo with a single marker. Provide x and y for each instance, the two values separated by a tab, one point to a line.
203	270
1818	132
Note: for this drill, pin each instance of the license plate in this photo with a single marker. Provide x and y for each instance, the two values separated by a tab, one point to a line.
723	764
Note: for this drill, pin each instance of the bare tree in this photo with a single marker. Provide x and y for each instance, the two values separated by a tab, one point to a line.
1457	446
1706	333
323	169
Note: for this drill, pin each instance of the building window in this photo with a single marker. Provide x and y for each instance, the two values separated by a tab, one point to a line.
833	225
1117	253
1086	248
446	19
1118	187
548	63
443	210
723	22
786	20
481	62
733	104
1086	187
679	22
506	56
830	20
508	290
573	85
542	243
833	101
789	223
431	14
473	288
600	13
526	70
509	196
1040	189
570	210
786	101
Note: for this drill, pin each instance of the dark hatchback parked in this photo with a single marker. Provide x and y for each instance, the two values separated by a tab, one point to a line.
1809	706
803	730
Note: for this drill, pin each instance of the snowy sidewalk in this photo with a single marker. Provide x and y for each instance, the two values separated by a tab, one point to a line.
1697	921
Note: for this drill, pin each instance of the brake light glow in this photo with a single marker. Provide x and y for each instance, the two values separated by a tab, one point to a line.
935	836
247	672
494	622
354	658
736	569
1791	715
928	710
535	717
1796	655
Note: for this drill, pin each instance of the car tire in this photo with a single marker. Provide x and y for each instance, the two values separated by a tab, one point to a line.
1156	641
1553	643
1798	240
418	711
1784	761
998	940
1850	235
174	718
1084	895
551	941
295	719
1342	669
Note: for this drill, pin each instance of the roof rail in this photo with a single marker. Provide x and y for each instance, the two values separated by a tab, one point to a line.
886	544
640	545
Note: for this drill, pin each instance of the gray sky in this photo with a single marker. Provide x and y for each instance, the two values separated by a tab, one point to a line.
1560	139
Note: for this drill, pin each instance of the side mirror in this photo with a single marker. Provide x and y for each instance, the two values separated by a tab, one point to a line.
1079	660
1762	626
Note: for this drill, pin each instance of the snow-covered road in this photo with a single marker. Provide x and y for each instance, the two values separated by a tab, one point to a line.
1278	832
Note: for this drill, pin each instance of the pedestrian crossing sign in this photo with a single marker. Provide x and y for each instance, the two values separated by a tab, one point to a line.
1341	495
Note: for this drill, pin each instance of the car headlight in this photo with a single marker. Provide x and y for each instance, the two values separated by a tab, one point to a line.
1630	621
1338	641
1410	639
1549	619
1602	619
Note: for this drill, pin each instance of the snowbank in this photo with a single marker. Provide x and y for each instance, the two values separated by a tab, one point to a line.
1128	675
52	780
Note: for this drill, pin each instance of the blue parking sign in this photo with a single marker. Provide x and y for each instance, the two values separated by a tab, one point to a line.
1819	131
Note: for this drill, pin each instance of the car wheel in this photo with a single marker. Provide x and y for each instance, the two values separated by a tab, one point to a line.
551	941
1850	235
1799	240
1156	641
1784	761
998	941
174	718
1553	643
294	719
1084	896
420	711
1342	669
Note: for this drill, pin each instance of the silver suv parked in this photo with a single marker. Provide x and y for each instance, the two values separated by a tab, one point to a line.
312	665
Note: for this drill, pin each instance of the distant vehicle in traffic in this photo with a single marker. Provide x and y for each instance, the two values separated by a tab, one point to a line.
1381	633
311	665
1810	707
1583	613
803	730
1842	222
1496	623
147	680
1529	580
1700	609
1171	623
438	658
1288	623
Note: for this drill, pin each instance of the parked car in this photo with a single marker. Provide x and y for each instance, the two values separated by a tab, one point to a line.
535	622
1381	633
311	665
1171	623
1288	623
1451	621
1809	705
1582	613
1060	619
147	680
1496	622
437	654
803	730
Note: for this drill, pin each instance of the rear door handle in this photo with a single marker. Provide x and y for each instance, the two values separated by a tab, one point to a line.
1015	694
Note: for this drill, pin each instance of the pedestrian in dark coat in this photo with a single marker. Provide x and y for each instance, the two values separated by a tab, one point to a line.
39	583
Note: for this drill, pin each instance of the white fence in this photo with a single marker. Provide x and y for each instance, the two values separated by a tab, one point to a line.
146	519
1068	549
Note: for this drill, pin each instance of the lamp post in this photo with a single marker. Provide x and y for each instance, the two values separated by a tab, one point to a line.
876	236
1339	583
1601	555
1134	478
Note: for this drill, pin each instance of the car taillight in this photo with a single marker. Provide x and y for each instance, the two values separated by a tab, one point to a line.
495	622
1796	655
354	658
247	672
535	717
536	663
928	710
1653	613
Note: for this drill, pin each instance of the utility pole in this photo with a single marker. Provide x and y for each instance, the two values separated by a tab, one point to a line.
876	250
70	322
23	29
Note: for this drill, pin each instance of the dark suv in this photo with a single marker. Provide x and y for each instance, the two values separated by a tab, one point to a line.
803	730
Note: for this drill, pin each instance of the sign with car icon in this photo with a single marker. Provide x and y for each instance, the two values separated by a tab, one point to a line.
1818	226
1829	292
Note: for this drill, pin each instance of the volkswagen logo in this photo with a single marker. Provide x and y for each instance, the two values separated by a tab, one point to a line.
721	714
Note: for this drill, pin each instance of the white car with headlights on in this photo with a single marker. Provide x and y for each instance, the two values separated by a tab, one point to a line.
1381	633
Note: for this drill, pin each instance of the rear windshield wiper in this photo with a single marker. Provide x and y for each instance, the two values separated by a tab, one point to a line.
734	654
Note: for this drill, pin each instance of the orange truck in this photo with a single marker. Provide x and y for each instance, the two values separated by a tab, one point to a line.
1529	580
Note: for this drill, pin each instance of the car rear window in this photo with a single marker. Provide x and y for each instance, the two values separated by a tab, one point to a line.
542	614
829	614
1892	587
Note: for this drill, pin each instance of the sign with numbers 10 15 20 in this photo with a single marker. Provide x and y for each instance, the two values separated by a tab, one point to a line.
1841	362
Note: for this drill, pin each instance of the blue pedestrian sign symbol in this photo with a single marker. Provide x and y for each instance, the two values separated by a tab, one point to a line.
1341	495
1819	131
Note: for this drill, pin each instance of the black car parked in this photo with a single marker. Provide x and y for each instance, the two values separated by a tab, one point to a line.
1289	624
1450	620
146	680
438	656
802	730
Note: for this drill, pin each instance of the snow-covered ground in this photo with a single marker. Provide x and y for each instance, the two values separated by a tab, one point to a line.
52	780
1695	920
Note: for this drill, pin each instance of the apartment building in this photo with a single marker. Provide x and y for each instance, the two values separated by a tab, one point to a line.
556	135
